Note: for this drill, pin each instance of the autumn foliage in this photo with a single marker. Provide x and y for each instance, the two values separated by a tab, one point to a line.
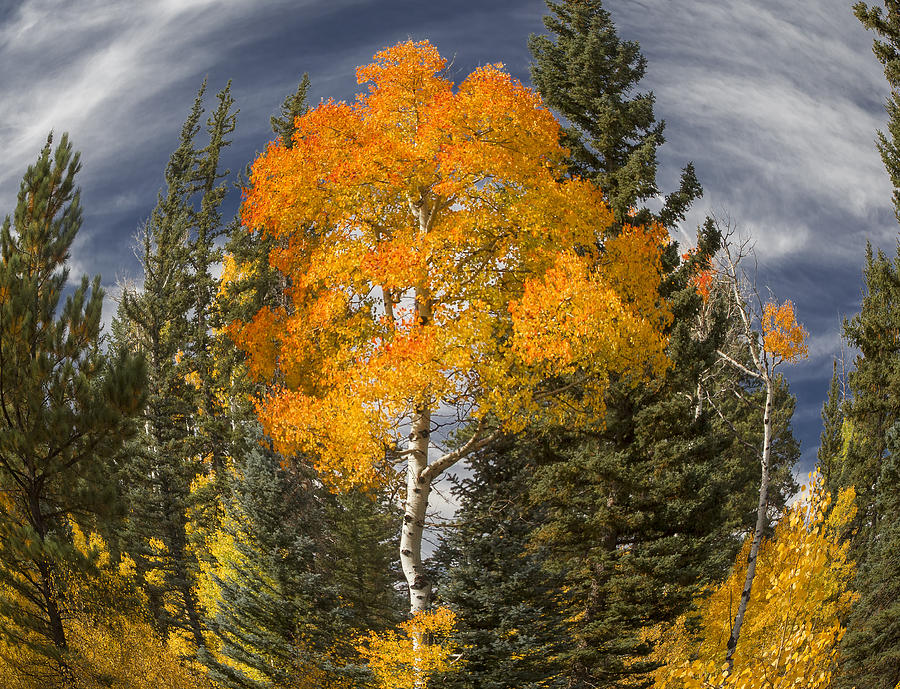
401	660
437	255
418	278
801	596
783	336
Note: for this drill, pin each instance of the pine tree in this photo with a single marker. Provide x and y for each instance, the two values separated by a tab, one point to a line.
65	408
585	72
168	320
271	604
831	444
871	648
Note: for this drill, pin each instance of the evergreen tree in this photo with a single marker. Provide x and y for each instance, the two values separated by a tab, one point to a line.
169	319
284	598
586	73
741	425
645	512
628	521
510	617
251	282
210	432
831	444
874	385
886	47
633	516
271	605
361	558
65	408
871	648
294	106
631	520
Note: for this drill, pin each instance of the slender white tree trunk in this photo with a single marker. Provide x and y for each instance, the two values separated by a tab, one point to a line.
761	515
418	489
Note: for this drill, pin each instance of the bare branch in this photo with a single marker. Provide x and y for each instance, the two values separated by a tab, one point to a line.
739	366
475	443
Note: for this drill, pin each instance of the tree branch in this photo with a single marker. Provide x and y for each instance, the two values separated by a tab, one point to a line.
739	366
476	442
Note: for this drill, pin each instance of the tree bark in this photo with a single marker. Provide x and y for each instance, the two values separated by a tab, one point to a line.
56	632
418	490
761	518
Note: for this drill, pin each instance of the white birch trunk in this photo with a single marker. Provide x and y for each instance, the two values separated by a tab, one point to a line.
418	489
761	514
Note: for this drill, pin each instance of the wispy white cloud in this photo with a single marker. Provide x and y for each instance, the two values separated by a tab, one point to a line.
776	102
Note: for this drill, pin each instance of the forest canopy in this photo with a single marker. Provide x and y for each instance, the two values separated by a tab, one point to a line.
476	288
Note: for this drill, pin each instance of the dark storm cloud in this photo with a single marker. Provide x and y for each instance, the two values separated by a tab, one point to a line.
775	102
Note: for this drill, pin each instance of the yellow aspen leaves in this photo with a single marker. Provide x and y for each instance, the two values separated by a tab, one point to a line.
783	336
407	659
793	624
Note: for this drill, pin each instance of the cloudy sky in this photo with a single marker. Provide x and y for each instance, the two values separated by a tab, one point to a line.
775	102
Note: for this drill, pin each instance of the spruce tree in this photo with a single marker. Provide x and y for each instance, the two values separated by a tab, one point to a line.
871	648
65	407
360	557
210	426
831	442
253	282
741	425
168	320
869	653
866	463
511	620
569	545
272	604
586	73
643	514
886	47
636	518
633	521
874	385
297	575
294	106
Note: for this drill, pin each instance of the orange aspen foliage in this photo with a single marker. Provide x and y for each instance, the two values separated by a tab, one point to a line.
703	277
438	258
794	620
782	335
